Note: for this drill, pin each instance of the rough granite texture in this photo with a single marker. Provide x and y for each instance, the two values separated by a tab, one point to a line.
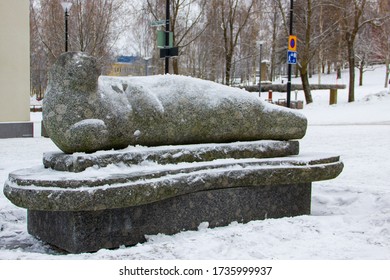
26	188
86	231
85	113
78	162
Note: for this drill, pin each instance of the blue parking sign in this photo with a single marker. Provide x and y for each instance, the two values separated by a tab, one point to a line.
292	57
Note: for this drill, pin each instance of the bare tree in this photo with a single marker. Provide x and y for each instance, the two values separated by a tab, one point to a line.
384	51
277	28
355	16
210	45
186	21
93	26
382	38
48	21
313	33
96	25
234	17
365	50
306	53
38	59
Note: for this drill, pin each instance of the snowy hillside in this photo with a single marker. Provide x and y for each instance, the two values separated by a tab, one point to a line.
350	215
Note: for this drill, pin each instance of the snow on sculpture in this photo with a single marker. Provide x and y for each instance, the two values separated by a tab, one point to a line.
83	112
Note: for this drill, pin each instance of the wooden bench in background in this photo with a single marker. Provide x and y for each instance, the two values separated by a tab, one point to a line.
283	88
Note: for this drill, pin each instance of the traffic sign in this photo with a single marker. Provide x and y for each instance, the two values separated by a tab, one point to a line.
292	57
158	23
161	39
169	52
292	43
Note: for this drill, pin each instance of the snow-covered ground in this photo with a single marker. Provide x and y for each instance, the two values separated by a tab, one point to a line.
350	217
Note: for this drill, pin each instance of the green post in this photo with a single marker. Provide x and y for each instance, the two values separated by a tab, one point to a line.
333	96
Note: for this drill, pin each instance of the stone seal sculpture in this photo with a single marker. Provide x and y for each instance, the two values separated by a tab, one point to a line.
83	112
193	151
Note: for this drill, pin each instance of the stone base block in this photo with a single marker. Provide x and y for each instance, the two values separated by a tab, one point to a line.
87	231
16	130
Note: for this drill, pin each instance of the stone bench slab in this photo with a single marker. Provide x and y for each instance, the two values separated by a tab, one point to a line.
78	162
42	189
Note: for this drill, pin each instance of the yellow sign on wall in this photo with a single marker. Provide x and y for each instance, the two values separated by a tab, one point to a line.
292	43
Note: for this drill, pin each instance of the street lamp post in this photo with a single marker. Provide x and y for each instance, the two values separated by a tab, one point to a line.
261	51
167	29
66	6
146	64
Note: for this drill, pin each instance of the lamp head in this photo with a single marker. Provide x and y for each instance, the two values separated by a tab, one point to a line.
66	6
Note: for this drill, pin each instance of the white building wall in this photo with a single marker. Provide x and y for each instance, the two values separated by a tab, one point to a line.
14	61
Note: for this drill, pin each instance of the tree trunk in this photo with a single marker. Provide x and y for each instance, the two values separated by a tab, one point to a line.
351	62
338	75
361	68
339	64
273	47
228	60
387	81
175	66
319	72
305	84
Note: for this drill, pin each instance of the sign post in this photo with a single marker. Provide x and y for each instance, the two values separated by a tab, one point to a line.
292	47
167	29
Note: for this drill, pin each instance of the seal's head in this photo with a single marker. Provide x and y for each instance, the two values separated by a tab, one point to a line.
75	71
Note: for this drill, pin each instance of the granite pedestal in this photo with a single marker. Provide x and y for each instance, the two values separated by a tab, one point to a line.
86	231
129	194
